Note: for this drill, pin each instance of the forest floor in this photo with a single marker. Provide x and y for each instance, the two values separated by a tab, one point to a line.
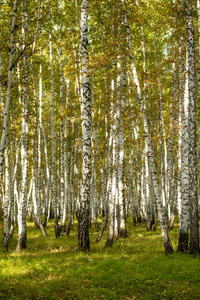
134	268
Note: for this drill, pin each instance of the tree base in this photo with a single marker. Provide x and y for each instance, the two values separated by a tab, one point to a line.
123	233
167	244
109	243
83	232
182	242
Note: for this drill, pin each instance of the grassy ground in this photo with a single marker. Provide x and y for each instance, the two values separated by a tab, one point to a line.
134	268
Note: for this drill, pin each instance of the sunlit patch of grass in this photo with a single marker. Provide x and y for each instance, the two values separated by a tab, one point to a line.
134	268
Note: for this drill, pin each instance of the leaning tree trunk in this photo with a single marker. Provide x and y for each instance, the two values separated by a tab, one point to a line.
83	220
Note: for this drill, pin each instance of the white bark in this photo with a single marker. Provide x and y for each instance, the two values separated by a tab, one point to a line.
148	203
65	156
83	222
137	174
110	183
116	147
93	200
121	183
13	179
104	171
169	174
163	147
70	187
47	181
62	157
6	201
193	194
22	231
38	208
183	198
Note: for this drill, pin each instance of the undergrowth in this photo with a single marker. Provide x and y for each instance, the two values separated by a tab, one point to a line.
134	268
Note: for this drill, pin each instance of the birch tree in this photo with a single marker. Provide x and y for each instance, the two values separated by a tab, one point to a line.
193	194
54	202
38	215
83	220
6	201
22	227
183	199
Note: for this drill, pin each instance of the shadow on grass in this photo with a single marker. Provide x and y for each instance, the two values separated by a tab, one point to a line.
134	268
82	276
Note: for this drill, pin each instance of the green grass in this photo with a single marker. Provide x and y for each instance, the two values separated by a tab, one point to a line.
134	268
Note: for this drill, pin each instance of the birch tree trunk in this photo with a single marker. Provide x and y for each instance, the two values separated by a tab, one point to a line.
116	146
22	230
54	202
47	179
148	203
137	176
13	179
38	210
70	188
62	157
94	192
110	184
129	168
83	221
198	60
104	171
94	174
169	175
163	150
198	81
6	201
103	179
121	183
183	163
12	189
194	221
66	157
